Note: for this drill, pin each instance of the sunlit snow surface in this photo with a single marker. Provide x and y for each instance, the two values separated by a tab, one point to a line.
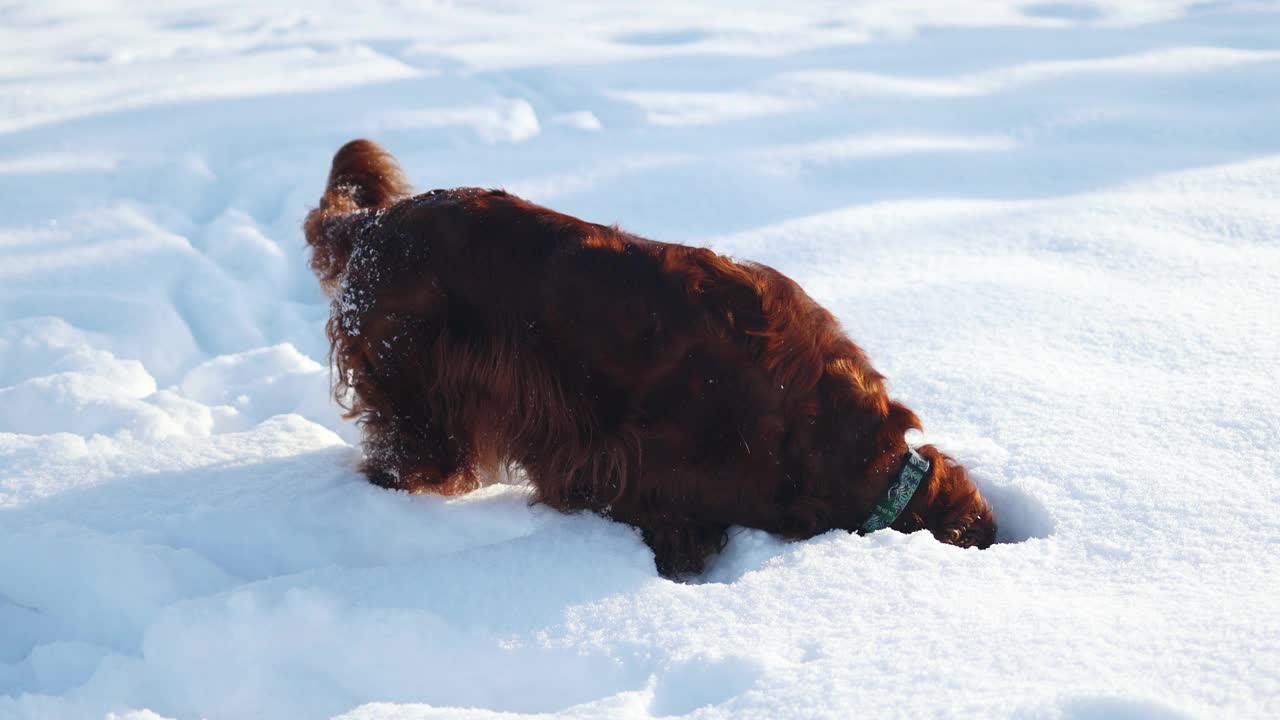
1055	226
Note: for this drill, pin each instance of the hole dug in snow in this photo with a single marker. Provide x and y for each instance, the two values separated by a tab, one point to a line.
1020	516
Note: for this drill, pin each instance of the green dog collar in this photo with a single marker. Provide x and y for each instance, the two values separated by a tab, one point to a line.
895	499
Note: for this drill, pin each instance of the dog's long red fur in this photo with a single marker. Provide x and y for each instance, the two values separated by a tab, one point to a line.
660	385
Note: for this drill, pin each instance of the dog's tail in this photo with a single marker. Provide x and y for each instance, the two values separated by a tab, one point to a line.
363	176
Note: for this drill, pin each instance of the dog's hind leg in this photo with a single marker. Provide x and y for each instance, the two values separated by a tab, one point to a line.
417	455
407	444
682	550
412	441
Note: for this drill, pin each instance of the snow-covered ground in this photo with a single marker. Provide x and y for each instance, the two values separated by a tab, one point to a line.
1054	225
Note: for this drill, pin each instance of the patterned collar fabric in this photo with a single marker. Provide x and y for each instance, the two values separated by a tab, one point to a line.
895	499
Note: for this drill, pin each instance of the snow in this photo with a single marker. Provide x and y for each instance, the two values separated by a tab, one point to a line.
1054	225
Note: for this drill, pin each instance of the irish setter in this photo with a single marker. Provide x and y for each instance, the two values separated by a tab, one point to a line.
660	385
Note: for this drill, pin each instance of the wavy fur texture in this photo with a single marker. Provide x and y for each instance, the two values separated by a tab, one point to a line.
660	385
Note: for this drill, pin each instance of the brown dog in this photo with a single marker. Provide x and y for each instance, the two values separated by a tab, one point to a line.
660	385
